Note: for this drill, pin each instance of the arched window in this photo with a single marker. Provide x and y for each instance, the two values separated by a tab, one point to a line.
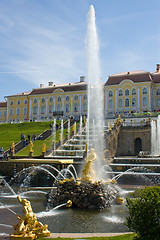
158	92
25	101
18	102
43	100
42	109
127	102
11	111
76	97
110	94
76	107
51	99
85	97
67	98
58	108
35	110
144	91
144	101
84	107
158	102
133	91
120	103
120	93
18	111
59	99
110	103
25	111
127	92
50	108
35	100
133	102
67	107
11	102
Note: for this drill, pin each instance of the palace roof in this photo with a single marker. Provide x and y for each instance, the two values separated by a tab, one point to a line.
135	76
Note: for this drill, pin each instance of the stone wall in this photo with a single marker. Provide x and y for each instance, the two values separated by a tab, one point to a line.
133	139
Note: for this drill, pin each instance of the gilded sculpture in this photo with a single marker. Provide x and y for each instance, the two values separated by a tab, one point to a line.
28	227
87	172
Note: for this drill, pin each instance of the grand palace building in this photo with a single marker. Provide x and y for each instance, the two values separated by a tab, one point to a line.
124	93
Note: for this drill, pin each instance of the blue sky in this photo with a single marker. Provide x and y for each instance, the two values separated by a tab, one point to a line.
45	40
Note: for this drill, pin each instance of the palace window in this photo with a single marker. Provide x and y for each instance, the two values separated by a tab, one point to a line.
110	94
127	92
35	100
133	102
35	110
4	113
11	111
144	101
0	113
85	97
51	99
67	107
11	102
120	93
18	111
67	98
76	107
84	107
59	99
120	103
50	108
25	101
58	108
133	91
158	92
110	103
43	100
144	91
127	102
158	102
76	97
42	109
18	102
25	111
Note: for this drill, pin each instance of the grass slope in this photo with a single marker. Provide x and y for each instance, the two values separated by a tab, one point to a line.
12	132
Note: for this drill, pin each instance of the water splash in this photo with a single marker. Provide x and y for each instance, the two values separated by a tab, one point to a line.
95	94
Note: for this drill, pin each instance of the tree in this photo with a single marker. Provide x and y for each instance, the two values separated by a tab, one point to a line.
144	213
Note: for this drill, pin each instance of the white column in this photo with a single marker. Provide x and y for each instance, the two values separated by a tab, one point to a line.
63	103
30	109
149	95
80	104
7	109
138	101
54	109
46	106
105	102
71	105
115	100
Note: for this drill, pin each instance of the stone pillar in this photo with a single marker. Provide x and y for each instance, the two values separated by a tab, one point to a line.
71	105
54	109
115	100
105	102
63	103
149	96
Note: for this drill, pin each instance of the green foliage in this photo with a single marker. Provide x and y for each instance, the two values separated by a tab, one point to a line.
144	213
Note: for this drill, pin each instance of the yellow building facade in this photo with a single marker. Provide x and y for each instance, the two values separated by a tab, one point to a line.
124	93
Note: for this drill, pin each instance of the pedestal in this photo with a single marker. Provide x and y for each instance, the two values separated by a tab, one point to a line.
22	237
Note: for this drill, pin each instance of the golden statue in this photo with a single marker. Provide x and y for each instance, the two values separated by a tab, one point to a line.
44	148
31	146
12	147
28	227
87	172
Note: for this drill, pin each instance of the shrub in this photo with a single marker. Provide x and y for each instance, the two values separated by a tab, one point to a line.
144	213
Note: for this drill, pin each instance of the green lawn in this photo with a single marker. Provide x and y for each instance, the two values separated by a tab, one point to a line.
12	132
38	144
121	237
